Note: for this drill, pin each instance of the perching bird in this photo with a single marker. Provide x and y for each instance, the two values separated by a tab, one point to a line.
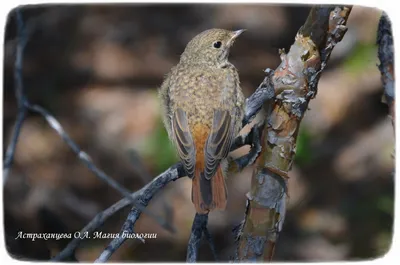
203	108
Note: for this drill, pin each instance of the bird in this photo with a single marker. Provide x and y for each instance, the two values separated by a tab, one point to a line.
202	108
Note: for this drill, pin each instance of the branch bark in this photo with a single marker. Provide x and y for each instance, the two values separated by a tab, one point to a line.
295	83
386	66
199	225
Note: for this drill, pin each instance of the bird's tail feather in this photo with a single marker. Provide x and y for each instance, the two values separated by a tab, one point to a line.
208	195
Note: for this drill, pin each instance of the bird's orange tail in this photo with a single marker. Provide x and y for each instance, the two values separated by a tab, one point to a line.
208	195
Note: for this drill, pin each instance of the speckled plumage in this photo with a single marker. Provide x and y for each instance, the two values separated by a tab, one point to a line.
203	107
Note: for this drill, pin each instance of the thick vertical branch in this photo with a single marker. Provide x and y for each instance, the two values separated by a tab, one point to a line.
295	83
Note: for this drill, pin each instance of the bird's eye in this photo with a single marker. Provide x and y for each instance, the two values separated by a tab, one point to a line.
217	44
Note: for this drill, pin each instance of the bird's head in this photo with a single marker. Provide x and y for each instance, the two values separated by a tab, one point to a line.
211	47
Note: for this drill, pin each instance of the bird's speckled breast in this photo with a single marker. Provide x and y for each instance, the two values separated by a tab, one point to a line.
198	90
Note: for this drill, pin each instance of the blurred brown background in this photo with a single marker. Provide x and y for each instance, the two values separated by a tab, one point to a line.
97	68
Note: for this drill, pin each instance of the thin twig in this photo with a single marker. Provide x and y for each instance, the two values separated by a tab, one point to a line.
210	241
199	224
13	144
127	229
145	195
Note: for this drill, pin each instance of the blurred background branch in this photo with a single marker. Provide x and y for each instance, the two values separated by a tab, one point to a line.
19	95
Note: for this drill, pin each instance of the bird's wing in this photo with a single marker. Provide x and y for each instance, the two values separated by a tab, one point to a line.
184	141
165	100
219	141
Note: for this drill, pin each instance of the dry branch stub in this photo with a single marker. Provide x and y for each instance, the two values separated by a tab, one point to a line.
386	58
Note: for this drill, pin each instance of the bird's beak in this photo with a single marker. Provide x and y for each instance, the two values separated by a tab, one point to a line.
235	35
